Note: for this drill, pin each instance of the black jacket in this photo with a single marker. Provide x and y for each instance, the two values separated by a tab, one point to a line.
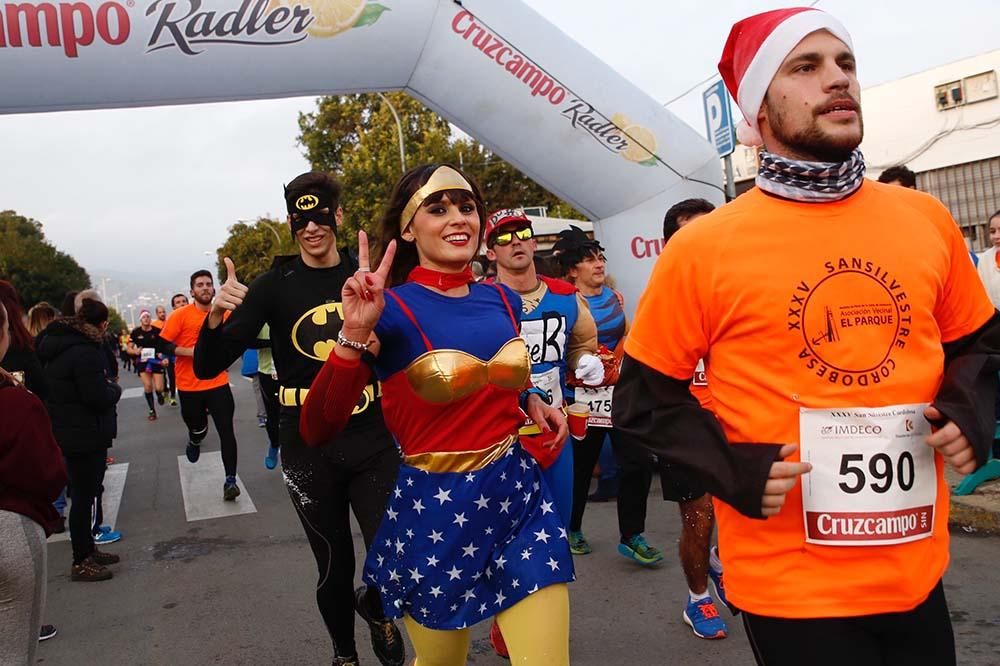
25	361
81	400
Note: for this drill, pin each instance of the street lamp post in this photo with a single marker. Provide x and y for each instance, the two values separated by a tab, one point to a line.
399	129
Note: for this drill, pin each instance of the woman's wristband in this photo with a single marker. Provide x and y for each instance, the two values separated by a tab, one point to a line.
536	391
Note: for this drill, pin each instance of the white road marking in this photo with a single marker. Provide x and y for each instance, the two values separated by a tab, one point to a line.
114	488
201	486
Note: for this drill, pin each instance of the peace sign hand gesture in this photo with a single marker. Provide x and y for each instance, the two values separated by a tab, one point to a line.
363	294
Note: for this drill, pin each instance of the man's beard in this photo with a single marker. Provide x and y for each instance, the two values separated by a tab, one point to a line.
812	143
205	299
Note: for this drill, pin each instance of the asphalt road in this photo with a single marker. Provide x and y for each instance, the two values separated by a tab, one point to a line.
240	589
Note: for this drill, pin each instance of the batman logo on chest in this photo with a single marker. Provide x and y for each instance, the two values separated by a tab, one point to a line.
314	335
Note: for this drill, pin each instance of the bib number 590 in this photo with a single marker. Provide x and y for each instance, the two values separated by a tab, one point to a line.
880	468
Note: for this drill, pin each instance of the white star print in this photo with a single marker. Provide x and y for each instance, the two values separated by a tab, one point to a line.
454	607
482	608
533	590
500	598
515	584
505	506
409	482
409	533
503	476
483	502
552	563
380	560
383	590
536	485
392	514
470	550
388	543
460	519
397	492
415	575
488	531
500	562
418	506
424	611
518	485
435	536
526	554
393	576
542	536
527	498
443	496
546	507
562	533
510	451
489	574
436	592
432	561
524	465
399	546
476	576
469	594
470	477
454	574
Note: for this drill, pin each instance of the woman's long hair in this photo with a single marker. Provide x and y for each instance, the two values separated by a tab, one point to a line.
20	338
389	226
39	316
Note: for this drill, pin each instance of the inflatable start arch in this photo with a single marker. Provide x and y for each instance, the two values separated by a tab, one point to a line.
497	70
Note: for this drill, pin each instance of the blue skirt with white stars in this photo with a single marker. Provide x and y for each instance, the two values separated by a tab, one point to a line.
456	548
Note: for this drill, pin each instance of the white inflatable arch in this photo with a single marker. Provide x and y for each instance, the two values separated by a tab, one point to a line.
494	68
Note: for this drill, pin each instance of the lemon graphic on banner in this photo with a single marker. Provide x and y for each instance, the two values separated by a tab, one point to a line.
332	17
641	141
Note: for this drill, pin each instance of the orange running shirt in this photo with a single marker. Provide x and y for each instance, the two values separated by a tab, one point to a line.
829	305
182	329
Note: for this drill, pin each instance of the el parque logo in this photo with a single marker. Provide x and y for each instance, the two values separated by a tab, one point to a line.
852	322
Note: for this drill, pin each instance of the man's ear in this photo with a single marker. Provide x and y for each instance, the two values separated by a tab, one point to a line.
338	217
490	254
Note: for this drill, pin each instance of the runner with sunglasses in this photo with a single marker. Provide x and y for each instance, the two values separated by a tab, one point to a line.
561	336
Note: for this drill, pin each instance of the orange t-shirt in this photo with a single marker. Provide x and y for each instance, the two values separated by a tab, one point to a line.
157	323
182	328
829	305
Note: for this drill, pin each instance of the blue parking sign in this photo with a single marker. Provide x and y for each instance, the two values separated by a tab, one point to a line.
719	119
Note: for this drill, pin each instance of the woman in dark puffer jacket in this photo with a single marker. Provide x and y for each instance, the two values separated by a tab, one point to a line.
81	404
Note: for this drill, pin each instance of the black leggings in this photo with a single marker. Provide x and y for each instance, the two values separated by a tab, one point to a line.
85	472
635	479
355	473
171	378
269	391
195	409
920	637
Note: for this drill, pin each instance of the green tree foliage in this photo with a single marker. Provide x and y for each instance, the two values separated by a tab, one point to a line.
356	138
115	321
38	270
252	247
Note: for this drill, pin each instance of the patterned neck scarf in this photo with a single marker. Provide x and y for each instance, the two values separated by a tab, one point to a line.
810	182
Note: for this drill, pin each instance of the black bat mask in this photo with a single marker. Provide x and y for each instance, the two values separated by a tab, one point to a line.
317	206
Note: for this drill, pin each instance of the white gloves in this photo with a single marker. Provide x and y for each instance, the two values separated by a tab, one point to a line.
590	370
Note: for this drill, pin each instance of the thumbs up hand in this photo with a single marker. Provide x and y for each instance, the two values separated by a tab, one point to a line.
230	296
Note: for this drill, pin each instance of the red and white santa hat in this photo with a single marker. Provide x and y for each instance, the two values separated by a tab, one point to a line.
757	46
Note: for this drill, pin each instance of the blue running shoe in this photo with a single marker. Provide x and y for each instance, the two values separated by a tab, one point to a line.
720	590
703	618
107	537
271	459
636	548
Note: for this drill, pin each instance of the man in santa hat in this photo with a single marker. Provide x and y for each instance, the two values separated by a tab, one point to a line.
850	354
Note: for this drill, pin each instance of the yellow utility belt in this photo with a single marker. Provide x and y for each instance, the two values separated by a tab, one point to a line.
290	396
460	461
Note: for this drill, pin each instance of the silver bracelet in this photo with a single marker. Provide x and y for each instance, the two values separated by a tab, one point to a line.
351	344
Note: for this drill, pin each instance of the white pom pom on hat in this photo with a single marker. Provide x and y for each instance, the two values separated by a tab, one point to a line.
757	46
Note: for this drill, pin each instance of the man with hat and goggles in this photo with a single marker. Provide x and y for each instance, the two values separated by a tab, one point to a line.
561	335
299	299
850	354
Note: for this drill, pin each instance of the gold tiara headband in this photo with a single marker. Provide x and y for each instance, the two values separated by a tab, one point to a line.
443	178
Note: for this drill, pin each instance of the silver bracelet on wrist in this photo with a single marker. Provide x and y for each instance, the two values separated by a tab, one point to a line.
351	344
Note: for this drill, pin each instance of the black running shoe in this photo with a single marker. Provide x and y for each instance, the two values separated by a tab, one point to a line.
387	642
346	661
47	631
193	452
161	398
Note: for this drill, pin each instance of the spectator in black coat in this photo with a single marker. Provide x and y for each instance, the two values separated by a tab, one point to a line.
81	404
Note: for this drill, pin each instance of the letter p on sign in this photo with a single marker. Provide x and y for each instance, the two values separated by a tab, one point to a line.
719	119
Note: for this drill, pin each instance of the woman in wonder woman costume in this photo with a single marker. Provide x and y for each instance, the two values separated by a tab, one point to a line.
470	531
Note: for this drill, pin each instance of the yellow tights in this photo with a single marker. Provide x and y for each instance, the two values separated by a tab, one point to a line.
536	630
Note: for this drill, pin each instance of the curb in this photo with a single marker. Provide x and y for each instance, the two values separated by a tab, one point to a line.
978	513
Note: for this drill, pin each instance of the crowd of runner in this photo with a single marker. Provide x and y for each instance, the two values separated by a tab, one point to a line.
460	417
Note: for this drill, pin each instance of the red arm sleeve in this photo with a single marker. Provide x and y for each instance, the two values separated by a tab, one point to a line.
332	398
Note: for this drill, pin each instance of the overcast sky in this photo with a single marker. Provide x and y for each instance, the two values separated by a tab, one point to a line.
155	189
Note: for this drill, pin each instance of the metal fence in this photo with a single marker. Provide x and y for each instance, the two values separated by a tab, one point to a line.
971	192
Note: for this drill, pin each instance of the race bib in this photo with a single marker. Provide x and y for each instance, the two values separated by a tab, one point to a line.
599	399
550	382
700	378
873	482
147	354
